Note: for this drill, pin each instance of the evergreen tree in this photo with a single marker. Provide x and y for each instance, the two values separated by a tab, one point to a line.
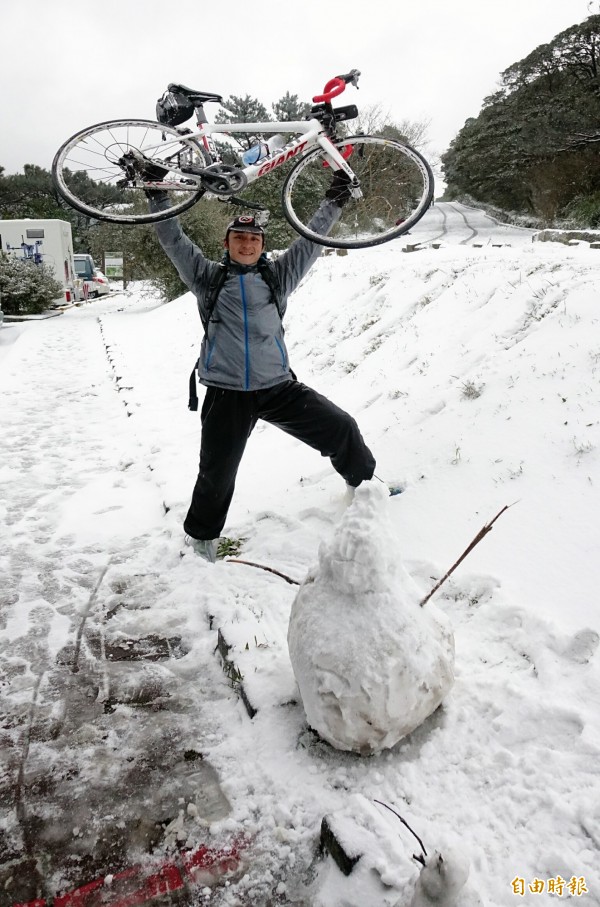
239	110
289	108
30	194
533	147
242	110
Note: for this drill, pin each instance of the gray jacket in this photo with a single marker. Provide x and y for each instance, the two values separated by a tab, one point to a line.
244	348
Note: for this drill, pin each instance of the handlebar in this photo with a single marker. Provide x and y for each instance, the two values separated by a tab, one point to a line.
336	86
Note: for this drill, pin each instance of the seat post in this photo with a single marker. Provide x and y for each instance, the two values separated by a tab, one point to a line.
200	114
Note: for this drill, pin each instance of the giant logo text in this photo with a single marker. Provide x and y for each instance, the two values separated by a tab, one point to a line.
281	158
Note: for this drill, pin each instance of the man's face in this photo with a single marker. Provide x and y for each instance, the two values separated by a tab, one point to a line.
244	248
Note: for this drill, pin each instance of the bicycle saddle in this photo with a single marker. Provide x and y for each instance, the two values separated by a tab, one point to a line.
195	97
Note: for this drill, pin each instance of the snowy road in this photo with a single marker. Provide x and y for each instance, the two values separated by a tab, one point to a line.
456	224
473	374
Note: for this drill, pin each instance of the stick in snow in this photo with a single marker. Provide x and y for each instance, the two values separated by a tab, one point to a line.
482	532
288	579
421	857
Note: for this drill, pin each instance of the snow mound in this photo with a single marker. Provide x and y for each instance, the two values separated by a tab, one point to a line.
371	664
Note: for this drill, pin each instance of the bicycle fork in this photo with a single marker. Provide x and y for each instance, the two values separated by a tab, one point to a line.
340	159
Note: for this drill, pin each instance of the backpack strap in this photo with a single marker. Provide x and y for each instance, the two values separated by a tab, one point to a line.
267	271
215	286
193	398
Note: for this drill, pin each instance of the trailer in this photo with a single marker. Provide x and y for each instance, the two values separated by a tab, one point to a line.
48	242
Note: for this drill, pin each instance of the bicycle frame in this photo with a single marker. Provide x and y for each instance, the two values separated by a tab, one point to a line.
307	134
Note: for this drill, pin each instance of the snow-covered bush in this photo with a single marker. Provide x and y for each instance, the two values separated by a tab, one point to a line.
26	288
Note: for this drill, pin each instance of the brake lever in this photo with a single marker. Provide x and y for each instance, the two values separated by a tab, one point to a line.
351	78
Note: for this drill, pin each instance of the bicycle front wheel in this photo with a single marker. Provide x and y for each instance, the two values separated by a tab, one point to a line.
102	171
396	183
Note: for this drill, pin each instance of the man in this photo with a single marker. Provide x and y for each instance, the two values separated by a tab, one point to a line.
244	362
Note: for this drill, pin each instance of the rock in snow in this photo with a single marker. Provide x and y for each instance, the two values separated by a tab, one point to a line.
371	664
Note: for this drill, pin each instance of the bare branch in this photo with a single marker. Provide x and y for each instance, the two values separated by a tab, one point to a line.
411	830
288	579
482	532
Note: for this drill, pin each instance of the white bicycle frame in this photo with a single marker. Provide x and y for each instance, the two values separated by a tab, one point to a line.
311	133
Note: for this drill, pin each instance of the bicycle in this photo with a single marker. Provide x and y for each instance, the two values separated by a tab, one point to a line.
391	183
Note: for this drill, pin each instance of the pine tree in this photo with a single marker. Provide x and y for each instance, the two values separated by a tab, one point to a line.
28	194
242	110
533	147
289	108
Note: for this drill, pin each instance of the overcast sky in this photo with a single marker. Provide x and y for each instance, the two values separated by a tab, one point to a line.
66	64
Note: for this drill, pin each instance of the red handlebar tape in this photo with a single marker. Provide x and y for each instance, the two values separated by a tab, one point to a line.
333	88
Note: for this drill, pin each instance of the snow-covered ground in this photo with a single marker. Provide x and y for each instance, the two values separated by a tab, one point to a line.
473	371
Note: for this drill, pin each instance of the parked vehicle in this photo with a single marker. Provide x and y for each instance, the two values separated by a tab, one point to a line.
47	242
92	281
101	283
84	266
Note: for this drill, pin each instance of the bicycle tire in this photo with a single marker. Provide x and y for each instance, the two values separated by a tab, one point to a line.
87	165
395	179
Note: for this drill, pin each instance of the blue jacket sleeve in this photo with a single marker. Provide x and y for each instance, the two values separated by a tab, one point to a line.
186	256
302	254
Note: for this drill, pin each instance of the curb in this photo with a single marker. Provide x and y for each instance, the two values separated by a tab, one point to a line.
40	317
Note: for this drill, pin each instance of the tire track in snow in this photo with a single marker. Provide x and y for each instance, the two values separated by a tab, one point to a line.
474	232
443	229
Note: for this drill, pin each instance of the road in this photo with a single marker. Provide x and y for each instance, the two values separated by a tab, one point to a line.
456	224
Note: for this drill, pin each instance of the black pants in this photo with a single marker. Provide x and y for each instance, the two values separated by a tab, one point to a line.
228	418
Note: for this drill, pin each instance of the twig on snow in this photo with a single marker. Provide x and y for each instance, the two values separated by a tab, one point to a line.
482	532
421	857
288	579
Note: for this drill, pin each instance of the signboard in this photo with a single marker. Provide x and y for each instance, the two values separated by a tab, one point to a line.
113	265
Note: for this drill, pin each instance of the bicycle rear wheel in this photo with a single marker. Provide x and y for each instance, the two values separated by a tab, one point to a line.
102	171
396	184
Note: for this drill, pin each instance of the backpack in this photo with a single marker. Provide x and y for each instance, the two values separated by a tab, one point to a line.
266	269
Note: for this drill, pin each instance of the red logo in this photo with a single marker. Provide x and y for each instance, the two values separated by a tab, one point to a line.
282	158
